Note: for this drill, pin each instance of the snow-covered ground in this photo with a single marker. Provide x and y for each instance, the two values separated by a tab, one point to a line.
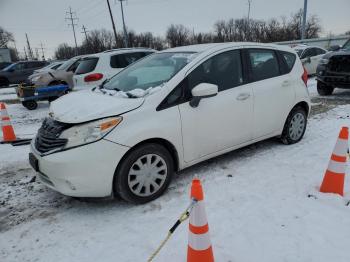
7	94
262	203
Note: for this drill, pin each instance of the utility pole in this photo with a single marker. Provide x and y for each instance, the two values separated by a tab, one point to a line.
248	19
30	52
85	32
124	27
37	53
73	24
25	53
42	51
304	21
113	25
249	3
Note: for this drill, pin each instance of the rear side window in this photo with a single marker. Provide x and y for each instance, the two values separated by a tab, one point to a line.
123	60
320	51
310	52
86	65
289	60
263	63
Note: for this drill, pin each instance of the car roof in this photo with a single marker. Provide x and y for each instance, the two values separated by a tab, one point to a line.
200	48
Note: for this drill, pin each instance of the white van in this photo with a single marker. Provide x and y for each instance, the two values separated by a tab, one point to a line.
169	111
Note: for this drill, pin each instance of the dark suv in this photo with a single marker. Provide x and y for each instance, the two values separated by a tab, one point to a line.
19	72
334	70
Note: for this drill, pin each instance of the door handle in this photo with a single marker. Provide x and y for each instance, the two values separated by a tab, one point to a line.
243	96
285	83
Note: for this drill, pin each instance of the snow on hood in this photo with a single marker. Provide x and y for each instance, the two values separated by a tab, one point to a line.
136	93
83	106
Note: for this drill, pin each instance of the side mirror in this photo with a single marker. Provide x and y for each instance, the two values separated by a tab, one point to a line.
334	48
203	90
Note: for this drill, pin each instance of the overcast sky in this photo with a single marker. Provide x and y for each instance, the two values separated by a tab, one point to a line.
44	22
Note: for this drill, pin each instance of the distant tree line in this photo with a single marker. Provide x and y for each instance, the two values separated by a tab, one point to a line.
273	30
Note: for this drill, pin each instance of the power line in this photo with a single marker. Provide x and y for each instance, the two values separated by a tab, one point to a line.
124	27
113	25
73	24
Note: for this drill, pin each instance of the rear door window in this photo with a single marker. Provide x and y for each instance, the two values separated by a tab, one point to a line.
289	60
310	52
123	60
86	65
263	64
320	51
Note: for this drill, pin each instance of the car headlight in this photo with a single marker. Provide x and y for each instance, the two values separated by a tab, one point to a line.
35	78
90	132
324	61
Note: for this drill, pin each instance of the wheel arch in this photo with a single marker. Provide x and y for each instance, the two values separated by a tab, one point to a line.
160	141
304	105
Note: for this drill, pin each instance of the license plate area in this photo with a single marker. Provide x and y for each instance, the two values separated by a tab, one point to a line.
34	162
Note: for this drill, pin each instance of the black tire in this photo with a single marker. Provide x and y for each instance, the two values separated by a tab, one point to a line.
4	82
30	105
290	135
121	176
323	89
51	99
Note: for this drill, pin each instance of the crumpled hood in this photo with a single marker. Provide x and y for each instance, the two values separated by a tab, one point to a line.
83	106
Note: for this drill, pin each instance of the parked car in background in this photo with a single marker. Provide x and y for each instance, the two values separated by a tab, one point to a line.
166	112
310	56
18	72
333	71
96	68
4	65
62	75
52	66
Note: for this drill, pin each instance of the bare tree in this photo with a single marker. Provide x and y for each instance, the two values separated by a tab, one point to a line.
177	35
5	37
64	51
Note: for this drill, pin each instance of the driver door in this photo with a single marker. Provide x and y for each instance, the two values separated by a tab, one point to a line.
222	121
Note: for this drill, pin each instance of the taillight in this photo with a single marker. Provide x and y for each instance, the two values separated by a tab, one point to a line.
304	77
93	77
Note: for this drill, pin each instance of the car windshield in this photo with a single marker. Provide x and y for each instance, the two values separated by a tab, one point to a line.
151	71
67	64
9	67
346	46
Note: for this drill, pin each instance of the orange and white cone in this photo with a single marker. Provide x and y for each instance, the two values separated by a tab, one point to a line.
199	245
333	181
7	129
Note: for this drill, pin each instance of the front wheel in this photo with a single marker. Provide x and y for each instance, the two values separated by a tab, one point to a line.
144	174
30	105
295	126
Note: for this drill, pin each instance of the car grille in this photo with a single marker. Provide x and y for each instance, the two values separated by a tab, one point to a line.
47	138
340	64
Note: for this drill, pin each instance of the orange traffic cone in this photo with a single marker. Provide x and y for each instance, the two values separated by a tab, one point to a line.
199	245
7	129
333	181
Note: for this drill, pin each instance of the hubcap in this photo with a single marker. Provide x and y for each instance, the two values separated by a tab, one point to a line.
147	175
297	126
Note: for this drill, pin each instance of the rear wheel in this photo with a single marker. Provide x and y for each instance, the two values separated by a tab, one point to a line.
30	105
144	174
323	89
295	126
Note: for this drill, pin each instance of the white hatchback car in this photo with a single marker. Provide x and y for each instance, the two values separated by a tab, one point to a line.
96	68
169	111
310	57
